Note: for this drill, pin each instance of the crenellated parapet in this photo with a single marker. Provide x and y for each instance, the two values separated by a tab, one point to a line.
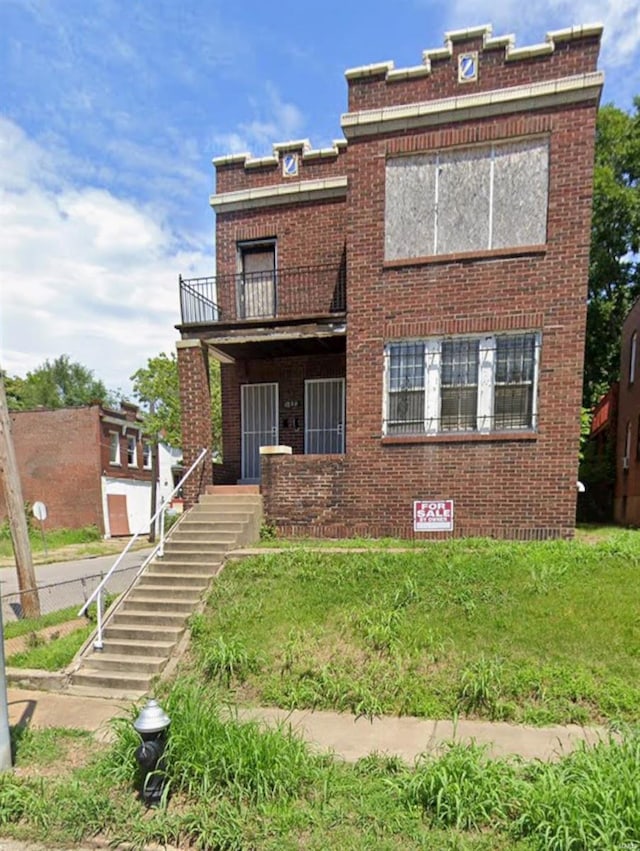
473	61
291	163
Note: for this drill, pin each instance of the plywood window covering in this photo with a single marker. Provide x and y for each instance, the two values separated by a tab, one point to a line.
467	199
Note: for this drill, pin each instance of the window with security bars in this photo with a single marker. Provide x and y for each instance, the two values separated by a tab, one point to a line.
514	378
461	384
406	388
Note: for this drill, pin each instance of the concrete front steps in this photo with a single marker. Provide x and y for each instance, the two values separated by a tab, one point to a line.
142	634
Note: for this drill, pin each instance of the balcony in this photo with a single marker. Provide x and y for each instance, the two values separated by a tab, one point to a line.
304	292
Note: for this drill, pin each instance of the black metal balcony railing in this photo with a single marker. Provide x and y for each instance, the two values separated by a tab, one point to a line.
304	291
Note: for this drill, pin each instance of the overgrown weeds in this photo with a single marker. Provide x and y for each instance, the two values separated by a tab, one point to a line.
489	629
234	786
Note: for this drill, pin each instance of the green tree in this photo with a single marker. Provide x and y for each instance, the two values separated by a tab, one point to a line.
157	388
61	383
614	273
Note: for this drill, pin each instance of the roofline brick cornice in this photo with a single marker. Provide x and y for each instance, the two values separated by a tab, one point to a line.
281	193
550	93
485	32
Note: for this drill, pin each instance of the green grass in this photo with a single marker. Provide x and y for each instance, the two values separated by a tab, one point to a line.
232	785
14	629
32	747
55	538
52	654
529	632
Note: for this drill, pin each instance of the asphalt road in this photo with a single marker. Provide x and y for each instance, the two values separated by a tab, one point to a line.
69	583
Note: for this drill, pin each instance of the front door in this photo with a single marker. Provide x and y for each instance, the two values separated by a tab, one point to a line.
259	413
324	416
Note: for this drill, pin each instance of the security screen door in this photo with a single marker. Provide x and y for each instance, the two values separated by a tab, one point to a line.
259	414
324	416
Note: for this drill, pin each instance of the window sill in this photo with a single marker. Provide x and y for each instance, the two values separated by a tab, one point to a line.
460	437
467	256
115	464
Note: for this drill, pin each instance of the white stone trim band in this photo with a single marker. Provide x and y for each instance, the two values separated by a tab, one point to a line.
284	193
481	105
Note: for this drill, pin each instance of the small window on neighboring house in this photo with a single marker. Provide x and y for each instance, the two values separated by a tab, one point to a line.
114	447
146	456
632	357
132	452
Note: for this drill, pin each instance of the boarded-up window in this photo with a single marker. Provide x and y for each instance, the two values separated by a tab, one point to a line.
467	199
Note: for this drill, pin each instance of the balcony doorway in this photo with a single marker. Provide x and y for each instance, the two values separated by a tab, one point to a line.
256	283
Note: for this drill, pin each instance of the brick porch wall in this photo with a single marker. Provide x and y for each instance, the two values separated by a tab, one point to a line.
195	402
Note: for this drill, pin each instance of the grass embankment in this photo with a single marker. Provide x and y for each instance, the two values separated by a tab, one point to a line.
50	642
234	786
529	632
65	545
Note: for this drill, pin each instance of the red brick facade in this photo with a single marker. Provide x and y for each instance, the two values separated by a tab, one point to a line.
520	484
63	455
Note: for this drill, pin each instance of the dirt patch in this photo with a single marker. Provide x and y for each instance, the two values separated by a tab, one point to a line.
72	753
24	642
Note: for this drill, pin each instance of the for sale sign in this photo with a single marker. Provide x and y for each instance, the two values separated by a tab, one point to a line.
433	515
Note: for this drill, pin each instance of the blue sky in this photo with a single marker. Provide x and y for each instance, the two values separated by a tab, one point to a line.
110	113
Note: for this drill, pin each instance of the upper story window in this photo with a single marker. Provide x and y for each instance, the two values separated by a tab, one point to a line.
633	357
470	199
132	451
461	384
146	456
256	283
114	447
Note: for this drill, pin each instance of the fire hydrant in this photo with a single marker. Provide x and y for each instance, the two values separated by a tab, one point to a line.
152	724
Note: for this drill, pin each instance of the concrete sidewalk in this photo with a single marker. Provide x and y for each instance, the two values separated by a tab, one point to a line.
349	738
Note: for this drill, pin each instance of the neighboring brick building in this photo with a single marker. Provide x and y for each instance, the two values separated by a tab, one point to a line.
89	465
626	503
405	309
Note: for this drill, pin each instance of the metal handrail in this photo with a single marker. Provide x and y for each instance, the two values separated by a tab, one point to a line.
292	292
158	550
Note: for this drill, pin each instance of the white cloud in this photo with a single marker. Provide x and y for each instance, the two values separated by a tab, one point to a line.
274	120
621	19
83	272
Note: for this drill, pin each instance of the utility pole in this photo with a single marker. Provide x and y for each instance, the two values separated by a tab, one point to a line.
29	600
5	733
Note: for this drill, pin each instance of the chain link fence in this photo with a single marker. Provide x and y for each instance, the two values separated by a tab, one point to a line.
69	593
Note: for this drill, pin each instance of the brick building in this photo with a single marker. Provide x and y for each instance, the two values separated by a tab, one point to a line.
403	312
626	503
89	465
